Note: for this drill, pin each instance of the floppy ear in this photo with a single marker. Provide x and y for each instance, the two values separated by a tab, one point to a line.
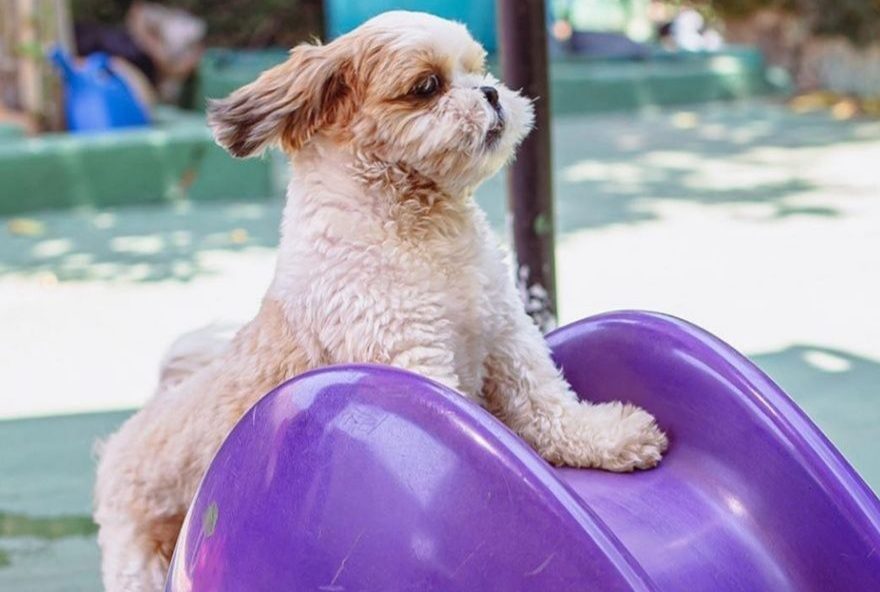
286	104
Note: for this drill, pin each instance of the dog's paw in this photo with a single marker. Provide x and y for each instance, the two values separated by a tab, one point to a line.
636	443
613	437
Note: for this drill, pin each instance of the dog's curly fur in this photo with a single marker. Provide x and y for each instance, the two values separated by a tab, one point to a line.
384	257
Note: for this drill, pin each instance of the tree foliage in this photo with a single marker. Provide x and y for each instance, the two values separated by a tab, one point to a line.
231	23
858	20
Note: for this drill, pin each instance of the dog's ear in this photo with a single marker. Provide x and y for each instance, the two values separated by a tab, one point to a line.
286	104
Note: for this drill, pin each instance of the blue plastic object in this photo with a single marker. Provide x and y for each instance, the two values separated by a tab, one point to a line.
479	15
371	478
96	97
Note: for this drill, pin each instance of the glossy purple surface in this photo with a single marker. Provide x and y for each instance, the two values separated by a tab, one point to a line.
371	478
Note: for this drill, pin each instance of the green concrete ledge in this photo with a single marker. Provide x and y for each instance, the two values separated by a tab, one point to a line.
579	86
175	159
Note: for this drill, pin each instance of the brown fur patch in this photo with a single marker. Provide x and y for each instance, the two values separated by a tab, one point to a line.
286	104
272	354
163	535
418	206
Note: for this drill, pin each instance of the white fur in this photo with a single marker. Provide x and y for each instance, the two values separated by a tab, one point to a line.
385	258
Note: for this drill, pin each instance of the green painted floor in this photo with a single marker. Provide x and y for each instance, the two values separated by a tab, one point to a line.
46	532
760	225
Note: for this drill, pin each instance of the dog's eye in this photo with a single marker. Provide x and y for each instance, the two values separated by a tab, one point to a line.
427	87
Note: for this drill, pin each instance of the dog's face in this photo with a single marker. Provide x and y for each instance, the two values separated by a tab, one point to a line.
404	88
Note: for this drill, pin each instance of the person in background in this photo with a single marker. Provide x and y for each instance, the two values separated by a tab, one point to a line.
164	46
172	38
688	31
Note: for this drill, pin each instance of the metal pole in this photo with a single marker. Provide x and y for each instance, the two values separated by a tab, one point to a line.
523	35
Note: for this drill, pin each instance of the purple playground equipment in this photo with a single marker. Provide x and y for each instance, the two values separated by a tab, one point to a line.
371	478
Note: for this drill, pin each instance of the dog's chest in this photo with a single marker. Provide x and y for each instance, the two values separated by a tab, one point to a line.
469	286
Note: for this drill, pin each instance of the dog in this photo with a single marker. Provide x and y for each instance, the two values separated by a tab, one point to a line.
384	257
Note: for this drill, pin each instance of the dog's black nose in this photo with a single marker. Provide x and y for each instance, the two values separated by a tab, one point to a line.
491	95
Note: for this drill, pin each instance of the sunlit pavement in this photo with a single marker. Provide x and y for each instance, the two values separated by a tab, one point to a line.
760	225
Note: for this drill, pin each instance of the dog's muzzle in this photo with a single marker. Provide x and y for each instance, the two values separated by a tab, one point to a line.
494	133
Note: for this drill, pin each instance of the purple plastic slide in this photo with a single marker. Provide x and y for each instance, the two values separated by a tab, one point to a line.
355	478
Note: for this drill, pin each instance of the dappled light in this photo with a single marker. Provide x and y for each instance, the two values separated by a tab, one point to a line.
732	156
839	390
141	244
827	361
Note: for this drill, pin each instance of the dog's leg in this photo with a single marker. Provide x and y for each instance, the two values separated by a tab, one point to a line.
130	563
136	537
524	389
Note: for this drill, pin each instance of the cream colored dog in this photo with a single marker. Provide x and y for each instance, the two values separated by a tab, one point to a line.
384	257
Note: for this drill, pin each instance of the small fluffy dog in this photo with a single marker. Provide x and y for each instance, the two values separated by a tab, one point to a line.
384	257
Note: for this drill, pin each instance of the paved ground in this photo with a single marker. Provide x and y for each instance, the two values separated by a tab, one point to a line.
758	224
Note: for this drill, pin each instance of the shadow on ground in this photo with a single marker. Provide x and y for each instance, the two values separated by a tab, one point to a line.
143	243
608	168
839	391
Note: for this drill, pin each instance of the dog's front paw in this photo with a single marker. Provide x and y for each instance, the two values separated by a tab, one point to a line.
634	441
613	437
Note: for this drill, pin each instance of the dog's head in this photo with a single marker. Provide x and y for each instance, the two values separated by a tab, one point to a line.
404	88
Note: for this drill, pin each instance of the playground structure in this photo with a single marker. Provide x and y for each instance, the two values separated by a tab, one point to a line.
368	477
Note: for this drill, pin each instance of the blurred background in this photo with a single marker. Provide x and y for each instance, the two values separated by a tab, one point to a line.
719	161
